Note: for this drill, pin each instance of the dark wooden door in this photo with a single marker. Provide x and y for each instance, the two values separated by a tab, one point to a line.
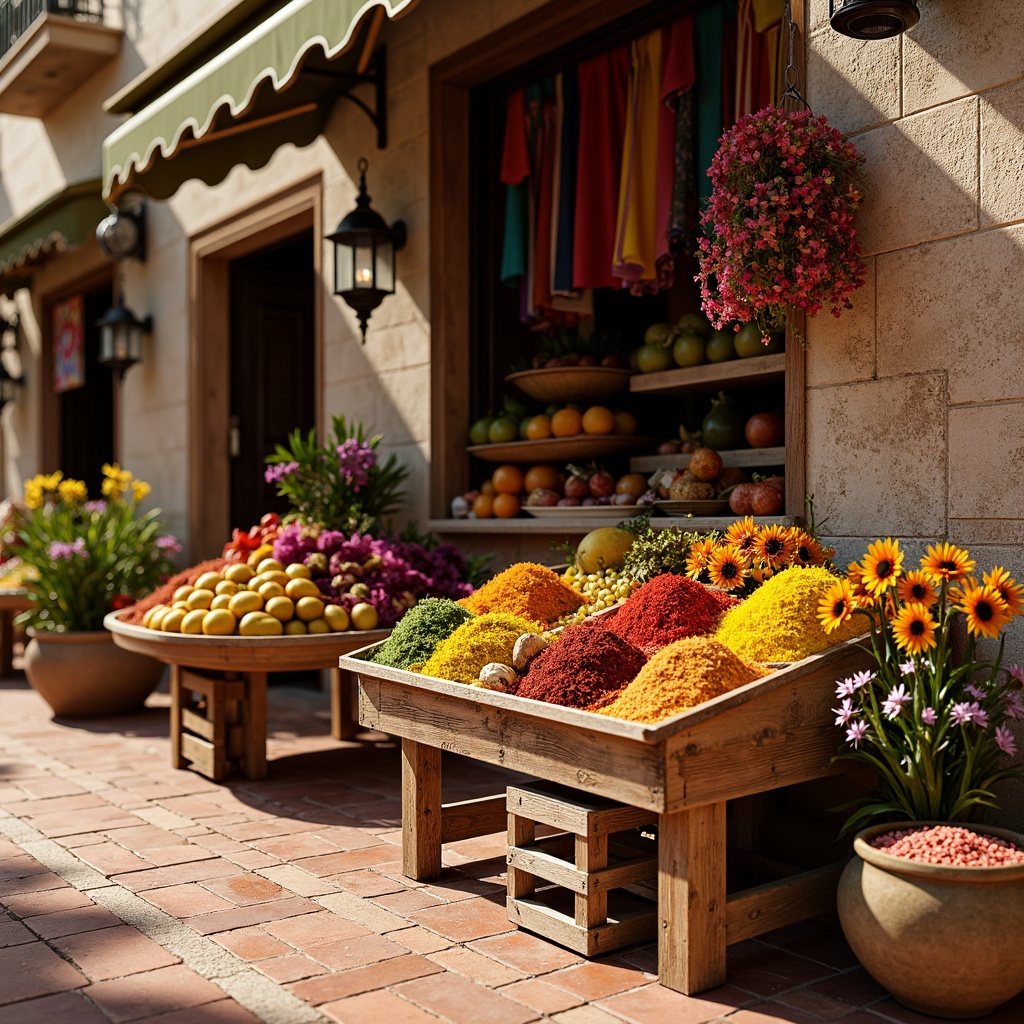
272	367
87	413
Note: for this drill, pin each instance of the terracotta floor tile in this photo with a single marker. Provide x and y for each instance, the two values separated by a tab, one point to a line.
7	848
313	929
463	1002
592	981
187	900
775	1013
46	788
114	952
253	944
24	866
71	922
177	853
243	917
766	971
225	1011
342	984
465	921
144	995
95	819
541	996
841	993
34	970
375	1007
63	1008
36	809
476	967
32	904
453	886
890	1011
655	1004
81	839
585	1015
176	874
347	860
14	933
357	951
293	848
267	829
31	883
408	902
364	882
345	837
527	953
244	889
111	859
419	940
817	940
285	969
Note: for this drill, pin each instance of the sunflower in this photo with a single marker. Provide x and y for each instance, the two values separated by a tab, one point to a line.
728	567
856	580
742	533
917	586
697	559
882	566
773	546
913	628
836	606
947	562
1009	590
984	608
806	550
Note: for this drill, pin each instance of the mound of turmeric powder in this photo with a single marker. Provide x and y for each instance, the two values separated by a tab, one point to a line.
679	677
527	589
475	643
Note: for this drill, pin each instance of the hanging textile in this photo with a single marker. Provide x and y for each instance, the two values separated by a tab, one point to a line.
603	91
768	22
565	209
709	30
540	103
515	169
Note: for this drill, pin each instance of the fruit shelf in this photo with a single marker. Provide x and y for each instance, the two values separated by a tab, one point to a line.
582	447
590	384
711	376
746	457
578	526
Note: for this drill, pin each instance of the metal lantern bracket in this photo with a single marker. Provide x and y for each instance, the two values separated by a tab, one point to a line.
377	76
130	209
792	74
872	19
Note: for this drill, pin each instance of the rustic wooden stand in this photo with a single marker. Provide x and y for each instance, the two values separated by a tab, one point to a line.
230	675
12	602
775	732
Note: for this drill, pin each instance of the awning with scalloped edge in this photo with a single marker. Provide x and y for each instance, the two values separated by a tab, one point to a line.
274	85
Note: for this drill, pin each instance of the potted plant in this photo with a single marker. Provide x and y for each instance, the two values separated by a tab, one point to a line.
89	557
932	912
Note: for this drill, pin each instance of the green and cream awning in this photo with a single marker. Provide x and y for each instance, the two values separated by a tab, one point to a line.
275	84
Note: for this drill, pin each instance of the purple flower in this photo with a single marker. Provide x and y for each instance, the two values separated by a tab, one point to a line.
1015	705
855	733
356	459
893	704
845	688
66	550
862	679
1005	741
975	691
168	544
95	506
906	667
961	713
1017	671
979	716
274	474
928	716
845	712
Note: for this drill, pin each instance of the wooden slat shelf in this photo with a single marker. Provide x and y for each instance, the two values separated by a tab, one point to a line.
567	526
746	457
711	376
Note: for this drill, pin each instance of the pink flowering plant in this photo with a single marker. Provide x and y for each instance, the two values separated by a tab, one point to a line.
933	716
340	484
779	229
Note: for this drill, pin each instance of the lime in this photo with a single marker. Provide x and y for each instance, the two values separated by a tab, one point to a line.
478	432
503	430
653	358
721	346
688	349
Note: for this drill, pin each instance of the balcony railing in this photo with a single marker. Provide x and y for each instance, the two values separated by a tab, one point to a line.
17	16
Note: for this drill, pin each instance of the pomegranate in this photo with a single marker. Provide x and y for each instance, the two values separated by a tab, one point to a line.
669	448
577	487
602	484
705	464
542	497
568	502
740	501
764	430
766	500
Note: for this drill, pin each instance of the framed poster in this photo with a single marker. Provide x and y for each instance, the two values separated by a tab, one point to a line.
69	344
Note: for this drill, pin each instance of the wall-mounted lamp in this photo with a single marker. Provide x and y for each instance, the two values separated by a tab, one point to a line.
873	19
123	233
9	382
364	255
121	334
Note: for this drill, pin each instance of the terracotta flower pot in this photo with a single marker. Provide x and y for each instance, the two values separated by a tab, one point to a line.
81	675
943	940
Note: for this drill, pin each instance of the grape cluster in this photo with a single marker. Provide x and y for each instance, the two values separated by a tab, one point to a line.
602	590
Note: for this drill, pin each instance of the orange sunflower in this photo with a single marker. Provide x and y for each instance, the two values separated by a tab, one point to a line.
1009	590
913	628
806	550
917	586
697	559
773	546
947	562
728	568
856	580
882	566
984	608
836	606
742	533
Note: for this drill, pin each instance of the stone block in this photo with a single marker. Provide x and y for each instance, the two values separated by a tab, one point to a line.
924	177
1002	171
877	462
403	413
855	85
842	350
954	306
986	451
451	27
960	48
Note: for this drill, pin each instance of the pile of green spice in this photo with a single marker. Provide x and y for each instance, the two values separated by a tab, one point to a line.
419	631
475	643
779	621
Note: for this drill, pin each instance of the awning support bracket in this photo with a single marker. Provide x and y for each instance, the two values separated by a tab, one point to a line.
375	76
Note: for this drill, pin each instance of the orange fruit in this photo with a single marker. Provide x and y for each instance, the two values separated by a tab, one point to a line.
508	480
487	488
483	506
538	428
546	477
625	423
632	483
566	423
506	506
598	420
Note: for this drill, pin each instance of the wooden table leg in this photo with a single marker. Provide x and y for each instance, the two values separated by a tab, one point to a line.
254	726
6	643
344	721
177	761
421	810
691	898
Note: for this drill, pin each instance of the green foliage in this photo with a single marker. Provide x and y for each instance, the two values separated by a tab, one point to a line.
659	551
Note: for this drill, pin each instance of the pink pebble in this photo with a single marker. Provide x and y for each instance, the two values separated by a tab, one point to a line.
949	845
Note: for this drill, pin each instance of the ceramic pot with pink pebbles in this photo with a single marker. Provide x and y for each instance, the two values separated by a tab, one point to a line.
939	924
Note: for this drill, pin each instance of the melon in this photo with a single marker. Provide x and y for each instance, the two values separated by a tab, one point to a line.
603	549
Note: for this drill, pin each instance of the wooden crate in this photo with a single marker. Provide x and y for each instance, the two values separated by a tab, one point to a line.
210	729
599	854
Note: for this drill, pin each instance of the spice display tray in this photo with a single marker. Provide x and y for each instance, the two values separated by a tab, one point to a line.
591	384
692	508
581	447
586	511
774	732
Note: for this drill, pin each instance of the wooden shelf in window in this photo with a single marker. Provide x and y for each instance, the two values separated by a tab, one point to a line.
745	457
572	527
711	376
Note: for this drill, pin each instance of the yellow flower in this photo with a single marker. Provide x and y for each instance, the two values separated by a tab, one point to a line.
122	477
917	586
139	490
882	566
697	559
806	550
913	628
33	497
51	482
72	491
111	487
742	533
1009	590
836	606
773	546
947	562
727	567
984	608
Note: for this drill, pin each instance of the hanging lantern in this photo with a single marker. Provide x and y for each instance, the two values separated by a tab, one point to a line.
121	335
873	19
364	255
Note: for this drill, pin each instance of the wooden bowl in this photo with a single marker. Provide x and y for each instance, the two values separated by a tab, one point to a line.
591	384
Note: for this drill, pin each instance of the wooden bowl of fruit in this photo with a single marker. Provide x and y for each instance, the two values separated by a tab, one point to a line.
556	384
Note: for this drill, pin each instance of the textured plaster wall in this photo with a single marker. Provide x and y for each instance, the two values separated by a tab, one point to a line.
915	399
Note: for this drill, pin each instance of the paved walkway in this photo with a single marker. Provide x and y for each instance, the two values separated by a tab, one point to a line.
132	892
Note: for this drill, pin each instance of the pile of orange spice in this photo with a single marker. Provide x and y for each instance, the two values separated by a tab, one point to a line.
528	590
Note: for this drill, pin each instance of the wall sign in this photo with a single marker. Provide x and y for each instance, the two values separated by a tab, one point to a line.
69	344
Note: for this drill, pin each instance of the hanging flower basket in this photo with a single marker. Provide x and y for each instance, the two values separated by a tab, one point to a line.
778	227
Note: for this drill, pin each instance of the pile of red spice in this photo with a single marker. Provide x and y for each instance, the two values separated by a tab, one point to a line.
164	593
951	845
584	668
665	609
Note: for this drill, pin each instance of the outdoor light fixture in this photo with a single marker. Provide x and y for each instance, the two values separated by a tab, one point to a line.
121	335
9	383
364	255
873	19
123	233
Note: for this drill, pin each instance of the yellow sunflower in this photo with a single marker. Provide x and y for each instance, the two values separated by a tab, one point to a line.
917	586
806	550
984	608
742	533
856	580
773	546
727	567
947	562
882	566
836	606
913	628
1009	590
697	559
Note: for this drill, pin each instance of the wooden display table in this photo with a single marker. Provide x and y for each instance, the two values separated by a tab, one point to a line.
13	601
774	732
196	661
